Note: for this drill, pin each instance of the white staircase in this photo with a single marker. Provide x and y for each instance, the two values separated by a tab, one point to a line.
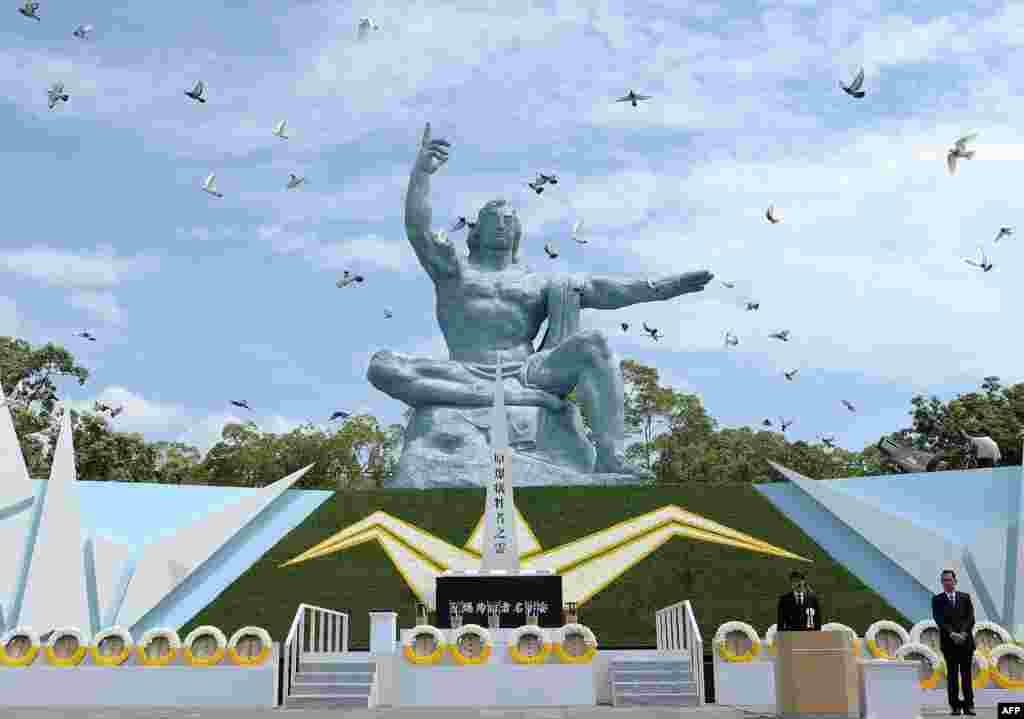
326	680
664	681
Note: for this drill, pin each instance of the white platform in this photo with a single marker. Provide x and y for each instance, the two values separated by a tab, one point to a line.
889	690
131	684
495	683
745	683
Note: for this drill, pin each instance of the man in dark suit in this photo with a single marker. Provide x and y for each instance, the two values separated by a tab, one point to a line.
799	610
953	612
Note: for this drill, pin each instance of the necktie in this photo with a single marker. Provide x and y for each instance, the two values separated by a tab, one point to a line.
952	599
800	599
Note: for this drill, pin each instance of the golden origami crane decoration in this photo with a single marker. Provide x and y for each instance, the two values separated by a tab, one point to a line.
586	565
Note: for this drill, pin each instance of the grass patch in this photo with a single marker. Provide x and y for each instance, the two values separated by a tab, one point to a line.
723	583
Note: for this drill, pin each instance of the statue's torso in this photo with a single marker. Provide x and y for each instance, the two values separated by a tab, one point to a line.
480	312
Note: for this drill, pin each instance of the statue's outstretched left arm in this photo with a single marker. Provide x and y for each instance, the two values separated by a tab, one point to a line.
610	292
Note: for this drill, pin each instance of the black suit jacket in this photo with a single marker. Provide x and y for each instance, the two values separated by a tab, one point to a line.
957	618
793	618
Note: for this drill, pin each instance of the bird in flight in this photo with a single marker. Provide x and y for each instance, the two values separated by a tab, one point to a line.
241	403
537	187
653	332
347	278
82	31
56	94
388	314
30	9
791	374
339	415
773	215
280	130
848	404
86	336
549	179
767	423
984	264
625	326
576	227
365	26
294	180
853	89
728	285
463	222
210	186
196	93
784	424
752	306
780	335
551	252
731	340
113	412
632	98
960	151
1003	232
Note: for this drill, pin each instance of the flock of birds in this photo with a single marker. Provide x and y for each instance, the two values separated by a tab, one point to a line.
57	95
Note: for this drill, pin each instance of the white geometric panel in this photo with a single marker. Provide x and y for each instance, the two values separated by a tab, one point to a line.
920	552
527	540
109	561
164	564
16	497
15	485
54	593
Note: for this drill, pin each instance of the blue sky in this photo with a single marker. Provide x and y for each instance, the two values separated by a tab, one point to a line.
197	301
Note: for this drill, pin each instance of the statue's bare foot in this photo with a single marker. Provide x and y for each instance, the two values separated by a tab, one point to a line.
611	462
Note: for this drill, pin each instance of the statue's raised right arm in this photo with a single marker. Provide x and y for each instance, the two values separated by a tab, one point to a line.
438	258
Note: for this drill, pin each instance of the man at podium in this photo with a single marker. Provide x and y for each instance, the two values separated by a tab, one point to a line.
799	610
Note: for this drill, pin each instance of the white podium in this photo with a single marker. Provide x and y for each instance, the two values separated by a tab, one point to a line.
383	632
889	689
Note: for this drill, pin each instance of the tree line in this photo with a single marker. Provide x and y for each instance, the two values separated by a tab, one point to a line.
672	433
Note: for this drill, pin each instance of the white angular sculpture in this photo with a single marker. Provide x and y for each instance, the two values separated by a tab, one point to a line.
16	496
501	538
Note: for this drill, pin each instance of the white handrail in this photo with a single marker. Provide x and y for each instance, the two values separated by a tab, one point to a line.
676	630
327	631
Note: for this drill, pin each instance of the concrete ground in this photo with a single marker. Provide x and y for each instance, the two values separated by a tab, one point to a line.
599	712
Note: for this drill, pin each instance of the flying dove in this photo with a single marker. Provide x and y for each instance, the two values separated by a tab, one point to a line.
347	278
196	93
653	332
785	424
30	9
209	186
241	403
82	31
625	326
728	285
536	187
780	335
339	415
773	215
459	225
56	94
576	227
551	252
853	89
294	180
848	405
549	179
731	340
958	151
365	26
791	374
632	98
983	264
1003	232
753	306
767	423
388	314
280	130
86	336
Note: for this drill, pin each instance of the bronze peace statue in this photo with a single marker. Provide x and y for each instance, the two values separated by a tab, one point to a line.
488	301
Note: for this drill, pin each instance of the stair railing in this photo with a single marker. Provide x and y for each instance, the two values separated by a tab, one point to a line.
676	630
314	629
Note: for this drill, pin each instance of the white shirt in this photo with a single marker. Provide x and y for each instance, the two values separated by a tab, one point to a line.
952	597
799	597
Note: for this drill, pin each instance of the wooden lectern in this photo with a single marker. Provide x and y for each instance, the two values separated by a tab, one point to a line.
815	676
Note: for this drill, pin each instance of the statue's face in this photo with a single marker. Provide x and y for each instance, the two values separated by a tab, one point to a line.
498	227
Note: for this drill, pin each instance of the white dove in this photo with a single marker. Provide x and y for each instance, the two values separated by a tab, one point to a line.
773	215
365	25
294	180
576	226
854	88
731	340
279	129
210	186
958	151
983	264
1003	232
82	31
56	94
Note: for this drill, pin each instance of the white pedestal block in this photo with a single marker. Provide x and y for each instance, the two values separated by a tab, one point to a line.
889	689
496	683
383	632
745	683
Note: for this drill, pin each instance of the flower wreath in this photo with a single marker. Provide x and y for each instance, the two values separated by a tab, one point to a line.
205	631
152	635
1004	650
111	660
728	628
1004	636
984	670
837	627
911	650
485	637
769	638
525	631
25	659
917	631
588	638
432	658
76	657
871	637
260	633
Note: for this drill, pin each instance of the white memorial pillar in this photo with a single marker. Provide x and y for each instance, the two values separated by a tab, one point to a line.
501	547
383	632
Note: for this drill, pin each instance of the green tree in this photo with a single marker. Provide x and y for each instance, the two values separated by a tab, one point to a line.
649	409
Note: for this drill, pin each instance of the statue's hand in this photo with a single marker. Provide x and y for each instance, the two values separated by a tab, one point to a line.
694	281
432	154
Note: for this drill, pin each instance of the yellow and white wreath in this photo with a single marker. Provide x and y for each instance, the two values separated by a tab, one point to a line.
1005	650
432	658
526	631
917	631
151	636
769	638
837	627
266	645
871	637
485	639
111	660
76	657
1004	636
588	638
984	670
722	635
914	651
205	631
25	659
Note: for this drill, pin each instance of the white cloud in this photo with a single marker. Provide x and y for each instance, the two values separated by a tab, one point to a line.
99	305
10	322
62	268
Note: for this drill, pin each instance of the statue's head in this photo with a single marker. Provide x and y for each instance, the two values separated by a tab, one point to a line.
497	228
